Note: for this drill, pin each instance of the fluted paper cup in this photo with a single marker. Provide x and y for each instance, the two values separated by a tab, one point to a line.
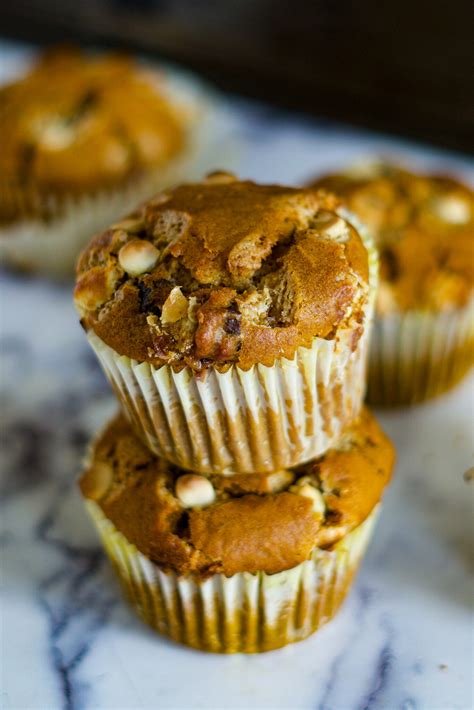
244	613
51	245
418	355
260	420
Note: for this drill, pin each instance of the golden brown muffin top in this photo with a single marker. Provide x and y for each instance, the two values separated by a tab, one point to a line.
248	522
77	124
223	272
424	227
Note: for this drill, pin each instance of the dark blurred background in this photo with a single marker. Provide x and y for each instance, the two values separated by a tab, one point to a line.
405	67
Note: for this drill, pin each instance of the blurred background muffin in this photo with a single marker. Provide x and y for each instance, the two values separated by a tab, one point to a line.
336	60
423	338
84	139
245	563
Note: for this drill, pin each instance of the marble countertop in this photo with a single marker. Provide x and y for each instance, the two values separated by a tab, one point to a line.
403	640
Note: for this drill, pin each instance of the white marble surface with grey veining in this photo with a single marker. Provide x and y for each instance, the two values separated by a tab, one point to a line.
403	640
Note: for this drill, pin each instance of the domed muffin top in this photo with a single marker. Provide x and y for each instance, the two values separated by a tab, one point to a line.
223	272
242	523
77	124
424	227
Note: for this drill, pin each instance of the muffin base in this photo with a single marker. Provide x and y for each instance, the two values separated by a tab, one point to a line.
418	355
245	613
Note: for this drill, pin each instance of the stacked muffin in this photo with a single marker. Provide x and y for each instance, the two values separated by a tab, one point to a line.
236	492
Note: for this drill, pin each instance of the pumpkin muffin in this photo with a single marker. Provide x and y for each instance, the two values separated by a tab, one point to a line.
240	564
83	140
423	340
232	320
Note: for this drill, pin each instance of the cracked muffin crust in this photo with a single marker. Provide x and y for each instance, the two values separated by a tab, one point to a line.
246	523
424	227
224	272
75	125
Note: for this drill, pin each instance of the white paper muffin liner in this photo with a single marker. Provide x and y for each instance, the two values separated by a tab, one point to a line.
246	613
418	355
52	246
254	421
260	420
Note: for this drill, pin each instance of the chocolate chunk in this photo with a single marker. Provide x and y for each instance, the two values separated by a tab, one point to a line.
146	297
232	326
85	104
153	293
333	517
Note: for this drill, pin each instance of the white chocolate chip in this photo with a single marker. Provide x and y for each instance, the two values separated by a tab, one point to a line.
332	225
57	136
219	177
131	225
279	481
365	169
99	480
304	488
194	491
159	199
175	307
453	209
138	256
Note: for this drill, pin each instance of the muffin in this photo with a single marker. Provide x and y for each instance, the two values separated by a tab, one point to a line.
423	339
241	564
232	320
84	139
